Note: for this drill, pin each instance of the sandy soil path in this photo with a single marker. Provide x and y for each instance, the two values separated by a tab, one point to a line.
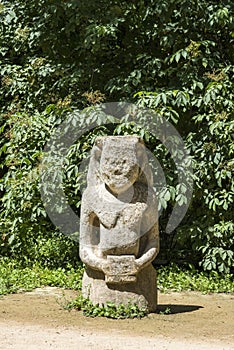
37	321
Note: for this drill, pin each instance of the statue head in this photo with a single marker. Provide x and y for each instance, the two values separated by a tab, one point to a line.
119	161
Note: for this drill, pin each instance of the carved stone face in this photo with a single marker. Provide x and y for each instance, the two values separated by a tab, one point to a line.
119	163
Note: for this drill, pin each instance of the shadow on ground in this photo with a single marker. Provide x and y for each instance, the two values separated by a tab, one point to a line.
176	309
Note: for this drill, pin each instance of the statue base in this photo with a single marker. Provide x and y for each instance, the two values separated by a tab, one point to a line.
140	289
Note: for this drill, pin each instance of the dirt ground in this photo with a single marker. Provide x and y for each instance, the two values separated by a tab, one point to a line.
38	321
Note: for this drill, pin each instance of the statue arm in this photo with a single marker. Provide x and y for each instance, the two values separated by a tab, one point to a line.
151	250
86	248
90	259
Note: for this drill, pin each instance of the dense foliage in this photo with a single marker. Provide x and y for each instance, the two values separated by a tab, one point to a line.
175	57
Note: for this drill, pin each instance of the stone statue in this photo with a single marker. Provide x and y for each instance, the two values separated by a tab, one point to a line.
119	235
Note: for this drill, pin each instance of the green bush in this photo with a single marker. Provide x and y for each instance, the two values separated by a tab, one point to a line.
26	231
174	57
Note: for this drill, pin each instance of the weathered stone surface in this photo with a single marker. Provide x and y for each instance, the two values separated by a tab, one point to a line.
120	269
142	292
119	230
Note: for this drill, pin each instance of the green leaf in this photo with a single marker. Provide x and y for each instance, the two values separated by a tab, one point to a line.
177	56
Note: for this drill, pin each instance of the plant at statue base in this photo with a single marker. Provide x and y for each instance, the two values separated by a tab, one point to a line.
167	311
110	310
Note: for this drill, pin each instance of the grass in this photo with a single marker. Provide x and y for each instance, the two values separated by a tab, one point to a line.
14	278
17	278
174	278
